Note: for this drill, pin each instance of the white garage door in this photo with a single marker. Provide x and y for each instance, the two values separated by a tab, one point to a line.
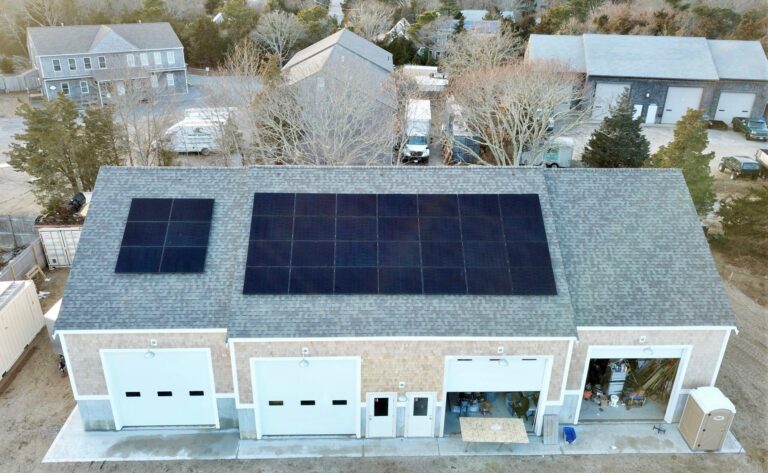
483	374
734	104
606	96
166	387
679	100
318	397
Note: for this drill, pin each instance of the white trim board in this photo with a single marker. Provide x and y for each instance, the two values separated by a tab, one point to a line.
142	330
670	328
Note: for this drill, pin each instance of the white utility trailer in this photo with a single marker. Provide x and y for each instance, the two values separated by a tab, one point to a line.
21	318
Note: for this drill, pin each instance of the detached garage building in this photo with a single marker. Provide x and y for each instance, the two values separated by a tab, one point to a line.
385	302
665	75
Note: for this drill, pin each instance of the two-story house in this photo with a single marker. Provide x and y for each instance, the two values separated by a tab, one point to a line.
92	63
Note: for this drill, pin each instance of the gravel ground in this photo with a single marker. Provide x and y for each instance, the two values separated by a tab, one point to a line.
35	402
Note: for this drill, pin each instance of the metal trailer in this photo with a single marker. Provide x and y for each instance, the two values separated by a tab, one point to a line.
21	318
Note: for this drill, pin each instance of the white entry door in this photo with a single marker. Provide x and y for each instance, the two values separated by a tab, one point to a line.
679	100
161	387
420	415
312	396
606	96
381	415
734	104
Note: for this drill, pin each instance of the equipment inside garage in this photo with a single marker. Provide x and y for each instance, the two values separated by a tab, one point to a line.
628	389
494	387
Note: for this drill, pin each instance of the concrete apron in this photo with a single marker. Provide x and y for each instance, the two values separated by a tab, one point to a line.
74	444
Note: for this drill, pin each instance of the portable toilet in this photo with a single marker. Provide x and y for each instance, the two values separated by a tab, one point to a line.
706	419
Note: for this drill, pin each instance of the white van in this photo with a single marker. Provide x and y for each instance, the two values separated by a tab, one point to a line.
194	135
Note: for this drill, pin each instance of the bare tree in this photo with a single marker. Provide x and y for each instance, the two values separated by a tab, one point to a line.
370	18
325	120
278	32
143	114
470	51
516	111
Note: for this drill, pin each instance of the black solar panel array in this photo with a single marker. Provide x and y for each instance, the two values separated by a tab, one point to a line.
398	244
165	236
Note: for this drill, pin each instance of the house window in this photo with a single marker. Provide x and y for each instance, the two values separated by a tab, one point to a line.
170	56
102	62
65	88
144	59
72	64
83	87
170	80
87	63
57	65
131	60
158	58
153	81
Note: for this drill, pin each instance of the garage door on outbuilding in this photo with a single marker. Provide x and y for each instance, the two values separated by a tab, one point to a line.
306	396
679	100
734	104
161	387
606	96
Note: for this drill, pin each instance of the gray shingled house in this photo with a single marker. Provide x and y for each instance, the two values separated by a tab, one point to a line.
665	75
389	301
91	63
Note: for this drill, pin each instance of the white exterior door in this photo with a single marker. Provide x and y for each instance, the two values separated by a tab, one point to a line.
381	414
420	415
679	100
312	396
734	104
606	96
161	387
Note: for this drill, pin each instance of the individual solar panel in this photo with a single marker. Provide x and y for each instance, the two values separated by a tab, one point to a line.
398	244
165	236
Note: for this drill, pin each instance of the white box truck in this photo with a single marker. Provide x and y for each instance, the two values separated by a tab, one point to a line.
418	120
194	135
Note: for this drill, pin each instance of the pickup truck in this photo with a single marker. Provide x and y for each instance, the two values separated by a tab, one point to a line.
753	128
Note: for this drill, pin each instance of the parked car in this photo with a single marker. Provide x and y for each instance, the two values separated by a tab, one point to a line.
740	166
761	156
714	124
753	128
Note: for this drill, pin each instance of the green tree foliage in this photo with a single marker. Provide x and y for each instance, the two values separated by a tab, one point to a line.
686	152
714	22
239	19
6	65
205	44
745	223
153	11
61	151
402	50
618	142
212	6
459	24
317	23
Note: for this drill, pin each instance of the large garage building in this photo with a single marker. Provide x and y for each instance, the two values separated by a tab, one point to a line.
665	75
384	302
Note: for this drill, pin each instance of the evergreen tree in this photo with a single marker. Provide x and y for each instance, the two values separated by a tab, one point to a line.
205	44
618	142
402	50
745	223
686	152
239	18
459	27
61	152
153	11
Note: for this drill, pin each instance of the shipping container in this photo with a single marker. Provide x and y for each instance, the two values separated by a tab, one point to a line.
21	318
60	243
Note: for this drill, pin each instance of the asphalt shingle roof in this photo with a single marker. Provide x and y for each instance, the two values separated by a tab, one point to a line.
626	247
653	57
83	39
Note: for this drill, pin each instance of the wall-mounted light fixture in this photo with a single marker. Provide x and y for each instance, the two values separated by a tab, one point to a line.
149	354
648	350
503	362
304	353
402	398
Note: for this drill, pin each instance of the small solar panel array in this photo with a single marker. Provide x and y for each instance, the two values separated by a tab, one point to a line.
398	244
165	236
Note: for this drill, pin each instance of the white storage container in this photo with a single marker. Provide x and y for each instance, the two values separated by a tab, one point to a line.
50	320
20	319
60	244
